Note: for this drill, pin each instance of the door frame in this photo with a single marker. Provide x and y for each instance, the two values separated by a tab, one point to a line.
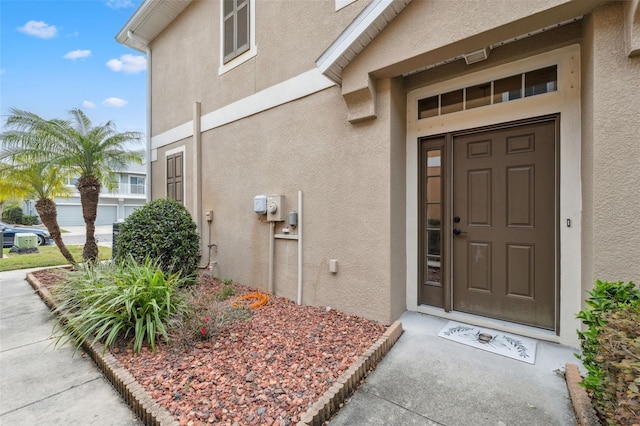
565	102
445	143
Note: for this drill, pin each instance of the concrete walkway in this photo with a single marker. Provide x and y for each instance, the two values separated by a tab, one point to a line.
43	385
428	380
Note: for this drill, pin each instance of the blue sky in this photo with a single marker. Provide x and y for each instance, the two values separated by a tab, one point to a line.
57	55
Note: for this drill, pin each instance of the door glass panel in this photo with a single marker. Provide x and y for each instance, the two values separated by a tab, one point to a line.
541	81
433	244
428	107
433	215
433	189
434	276
433	163
478	96
507	89
452	101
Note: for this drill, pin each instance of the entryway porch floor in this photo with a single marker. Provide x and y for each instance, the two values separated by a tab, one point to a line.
428	380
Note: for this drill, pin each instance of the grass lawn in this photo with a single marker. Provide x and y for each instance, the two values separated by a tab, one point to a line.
48	256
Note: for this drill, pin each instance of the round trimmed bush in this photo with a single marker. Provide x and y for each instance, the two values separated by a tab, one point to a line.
162	229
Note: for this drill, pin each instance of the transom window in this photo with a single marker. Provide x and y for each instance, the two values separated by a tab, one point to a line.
507	89
236	27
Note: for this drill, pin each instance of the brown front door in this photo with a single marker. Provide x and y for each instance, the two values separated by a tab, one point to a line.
503	226
488	220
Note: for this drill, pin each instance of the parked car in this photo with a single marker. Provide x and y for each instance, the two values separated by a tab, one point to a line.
10	231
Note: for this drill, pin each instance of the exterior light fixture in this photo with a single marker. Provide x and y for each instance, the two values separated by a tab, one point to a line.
476	56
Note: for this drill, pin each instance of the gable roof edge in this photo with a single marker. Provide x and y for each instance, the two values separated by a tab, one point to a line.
149	20
358	34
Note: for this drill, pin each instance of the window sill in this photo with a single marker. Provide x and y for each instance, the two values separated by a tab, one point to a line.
238	61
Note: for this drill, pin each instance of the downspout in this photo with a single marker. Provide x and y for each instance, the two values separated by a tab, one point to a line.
197	161
132	36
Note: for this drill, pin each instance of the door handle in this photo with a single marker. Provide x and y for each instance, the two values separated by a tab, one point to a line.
457	231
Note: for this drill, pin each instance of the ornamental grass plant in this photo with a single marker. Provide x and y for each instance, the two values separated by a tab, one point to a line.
105	301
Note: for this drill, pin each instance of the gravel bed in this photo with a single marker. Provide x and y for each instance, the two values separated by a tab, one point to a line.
264	370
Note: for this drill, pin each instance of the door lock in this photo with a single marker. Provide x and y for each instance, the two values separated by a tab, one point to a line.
457	231
456	219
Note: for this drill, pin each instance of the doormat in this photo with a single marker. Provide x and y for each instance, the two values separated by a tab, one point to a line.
498	342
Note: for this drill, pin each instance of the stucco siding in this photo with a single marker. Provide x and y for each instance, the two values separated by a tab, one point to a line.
343	172
186	55
616	149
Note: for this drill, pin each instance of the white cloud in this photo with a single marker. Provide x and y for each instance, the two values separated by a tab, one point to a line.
39	29
77	54
88	104
128	63
114	102
119	4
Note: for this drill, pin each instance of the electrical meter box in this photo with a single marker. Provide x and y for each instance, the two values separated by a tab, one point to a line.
275	208
260	204
25	241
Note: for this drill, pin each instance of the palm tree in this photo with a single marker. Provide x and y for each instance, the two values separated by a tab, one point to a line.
93	153
43	183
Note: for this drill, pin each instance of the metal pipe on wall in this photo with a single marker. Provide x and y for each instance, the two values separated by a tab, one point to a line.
272	239
299	247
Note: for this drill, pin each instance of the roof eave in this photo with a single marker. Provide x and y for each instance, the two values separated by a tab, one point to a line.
149	20
358	34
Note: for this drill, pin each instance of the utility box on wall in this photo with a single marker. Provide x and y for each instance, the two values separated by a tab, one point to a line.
275	208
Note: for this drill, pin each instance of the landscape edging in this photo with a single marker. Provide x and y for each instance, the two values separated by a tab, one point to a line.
153	414
585	414
330	402
146	408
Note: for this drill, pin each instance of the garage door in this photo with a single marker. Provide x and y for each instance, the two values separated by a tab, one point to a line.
70	215
107	215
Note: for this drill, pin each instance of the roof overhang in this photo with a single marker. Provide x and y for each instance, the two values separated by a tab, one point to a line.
149	20
360	32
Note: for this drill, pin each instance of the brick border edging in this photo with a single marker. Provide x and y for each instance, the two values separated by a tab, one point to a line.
585	414
143	405
329	403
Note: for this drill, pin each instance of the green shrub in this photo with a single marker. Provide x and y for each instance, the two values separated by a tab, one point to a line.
29	220
105	301
12	215
606	299
161	229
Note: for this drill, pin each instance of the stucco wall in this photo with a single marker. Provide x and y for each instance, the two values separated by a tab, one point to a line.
344	173
290	36
612	148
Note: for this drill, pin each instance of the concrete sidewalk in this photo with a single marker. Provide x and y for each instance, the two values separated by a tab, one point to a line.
40	384
428	380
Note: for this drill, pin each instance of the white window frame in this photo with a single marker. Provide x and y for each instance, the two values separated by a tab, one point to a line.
253	49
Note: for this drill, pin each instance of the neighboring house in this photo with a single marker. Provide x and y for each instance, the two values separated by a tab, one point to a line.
473	160
112	206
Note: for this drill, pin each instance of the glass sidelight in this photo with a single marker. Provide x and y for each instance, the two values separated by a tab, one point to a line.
433	222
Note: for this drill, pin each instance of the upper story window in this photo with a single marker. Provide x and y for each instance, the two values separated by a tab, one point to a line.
235	23
237	33
137	184
507	89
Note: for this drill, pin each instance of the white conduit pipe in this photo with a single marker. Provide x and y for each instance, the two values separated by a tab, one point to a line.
299	247
272	239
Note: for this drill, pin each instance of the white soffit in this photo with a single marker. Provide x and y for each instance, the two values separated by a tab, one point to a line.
360	32
149	20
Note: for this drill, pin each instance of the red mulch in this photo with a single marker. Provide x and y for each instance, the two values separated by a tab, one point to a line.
267	370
